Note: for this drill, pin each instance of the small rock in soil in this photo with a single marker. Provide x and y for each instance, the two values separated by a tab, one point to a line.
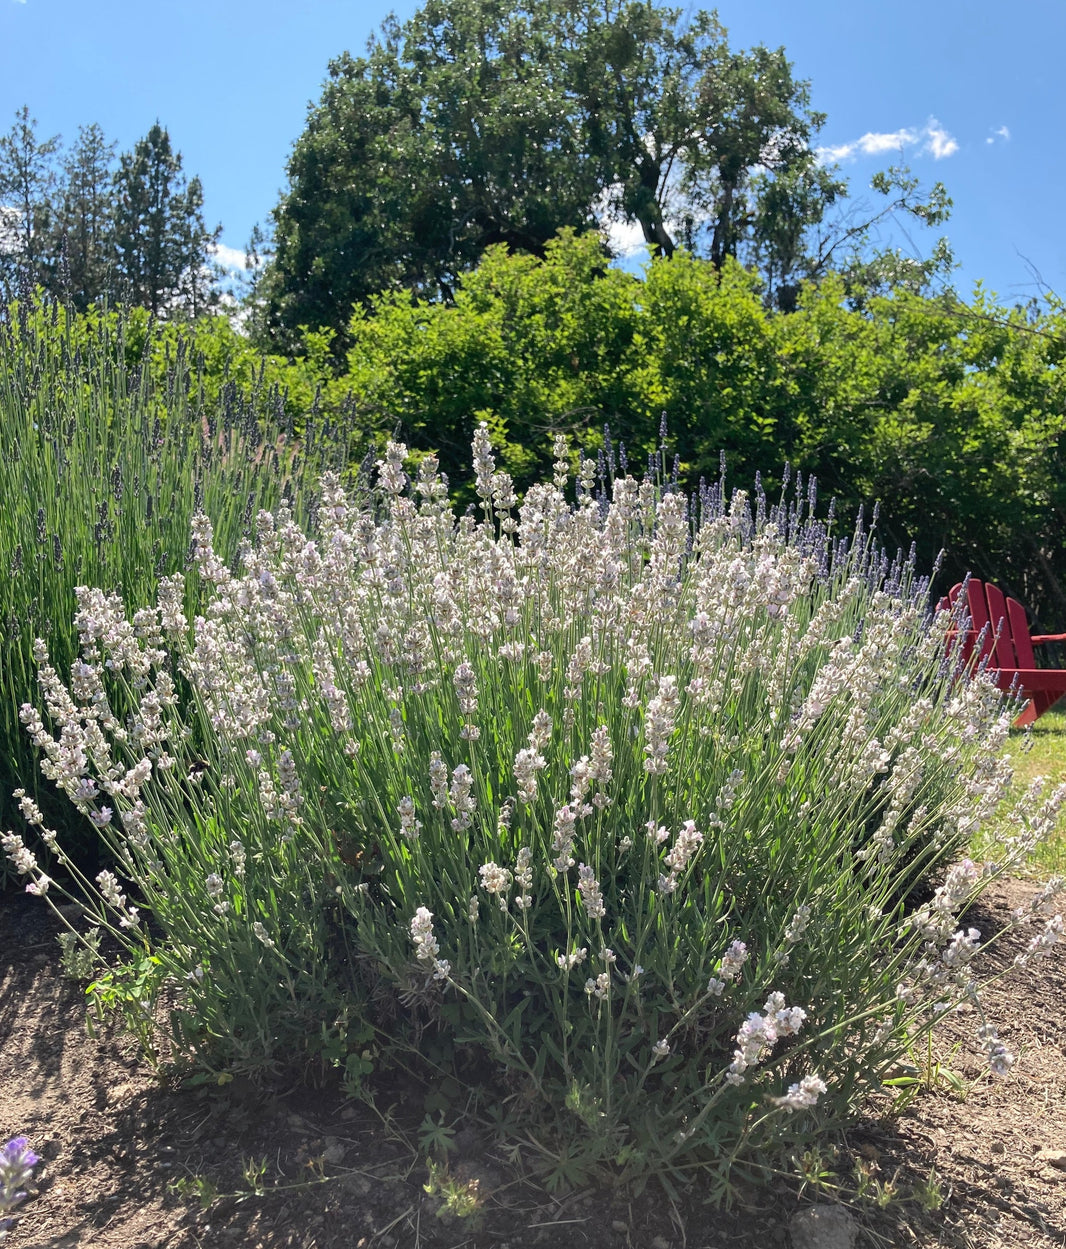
1053	1157
822	1227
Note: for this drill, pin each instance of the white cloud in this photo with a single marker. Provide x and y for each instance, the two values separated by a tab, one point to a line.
228	257
871	144
933	139
1003	133
625	239
875	144
940	144
833	155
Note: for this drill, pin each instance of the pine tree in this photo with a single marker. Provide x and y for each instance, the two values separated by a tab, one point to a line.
27	180
83	222
161	243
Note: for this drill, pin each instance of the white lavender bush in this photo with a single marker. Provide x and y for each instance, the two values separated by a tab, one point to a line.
639	819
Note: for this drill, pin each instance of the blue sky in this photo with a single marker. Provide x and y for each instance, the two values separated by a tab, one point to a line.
970	91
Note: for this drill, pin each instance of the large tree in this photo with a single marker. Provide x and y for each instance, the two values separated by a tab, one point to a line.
162	245
27	177
82	226
478	122
85	230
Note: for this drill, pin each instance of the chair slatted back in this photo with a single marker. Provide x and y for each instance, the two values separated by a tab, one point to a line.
1007	644
1003	655
1019	629
977	605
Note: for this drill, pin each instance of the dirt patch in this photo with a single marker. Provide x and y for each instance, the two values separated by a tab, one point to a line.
130	1163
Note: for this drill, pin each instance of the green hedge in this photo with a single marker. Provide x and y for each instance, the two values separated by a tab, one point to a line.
949	414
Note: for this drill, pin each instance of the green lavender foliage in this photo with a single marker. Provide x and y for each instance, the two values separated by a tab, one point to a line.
108	444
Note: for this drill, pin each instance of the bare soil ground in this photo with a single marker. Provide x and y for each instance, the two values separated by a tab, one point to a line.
969	1164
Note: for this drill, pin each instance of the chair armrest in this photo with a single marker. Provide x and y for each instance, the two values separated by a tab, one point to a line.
1047	679
1048	637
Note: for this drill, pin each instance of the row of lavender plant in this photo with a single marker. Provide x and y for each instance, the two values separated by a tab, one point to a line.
102	468
616	810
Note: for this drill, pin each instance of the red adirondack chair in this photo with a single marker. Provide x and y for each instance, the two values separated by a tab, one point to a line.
1007	646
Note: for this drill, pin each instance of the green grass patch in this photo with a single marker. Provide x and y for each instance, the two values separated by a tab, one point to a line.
1042	752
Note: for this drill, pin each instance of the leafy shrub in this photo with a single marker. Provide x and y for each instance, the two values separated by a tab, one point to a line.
613	811
950	414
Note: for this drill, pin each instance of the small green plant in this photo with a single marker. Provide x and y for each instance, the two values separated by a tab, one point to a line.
871	1188
926	1073
930	1194
254	1173
129	991
938	1073
197	1188
435	1136
346	1045
356	1068
459	1199
865	1185
80	953
815	1169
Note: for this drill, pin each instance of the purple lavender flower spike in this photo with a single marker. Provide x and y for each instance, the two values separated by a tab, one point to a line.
18	1151
17	1161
